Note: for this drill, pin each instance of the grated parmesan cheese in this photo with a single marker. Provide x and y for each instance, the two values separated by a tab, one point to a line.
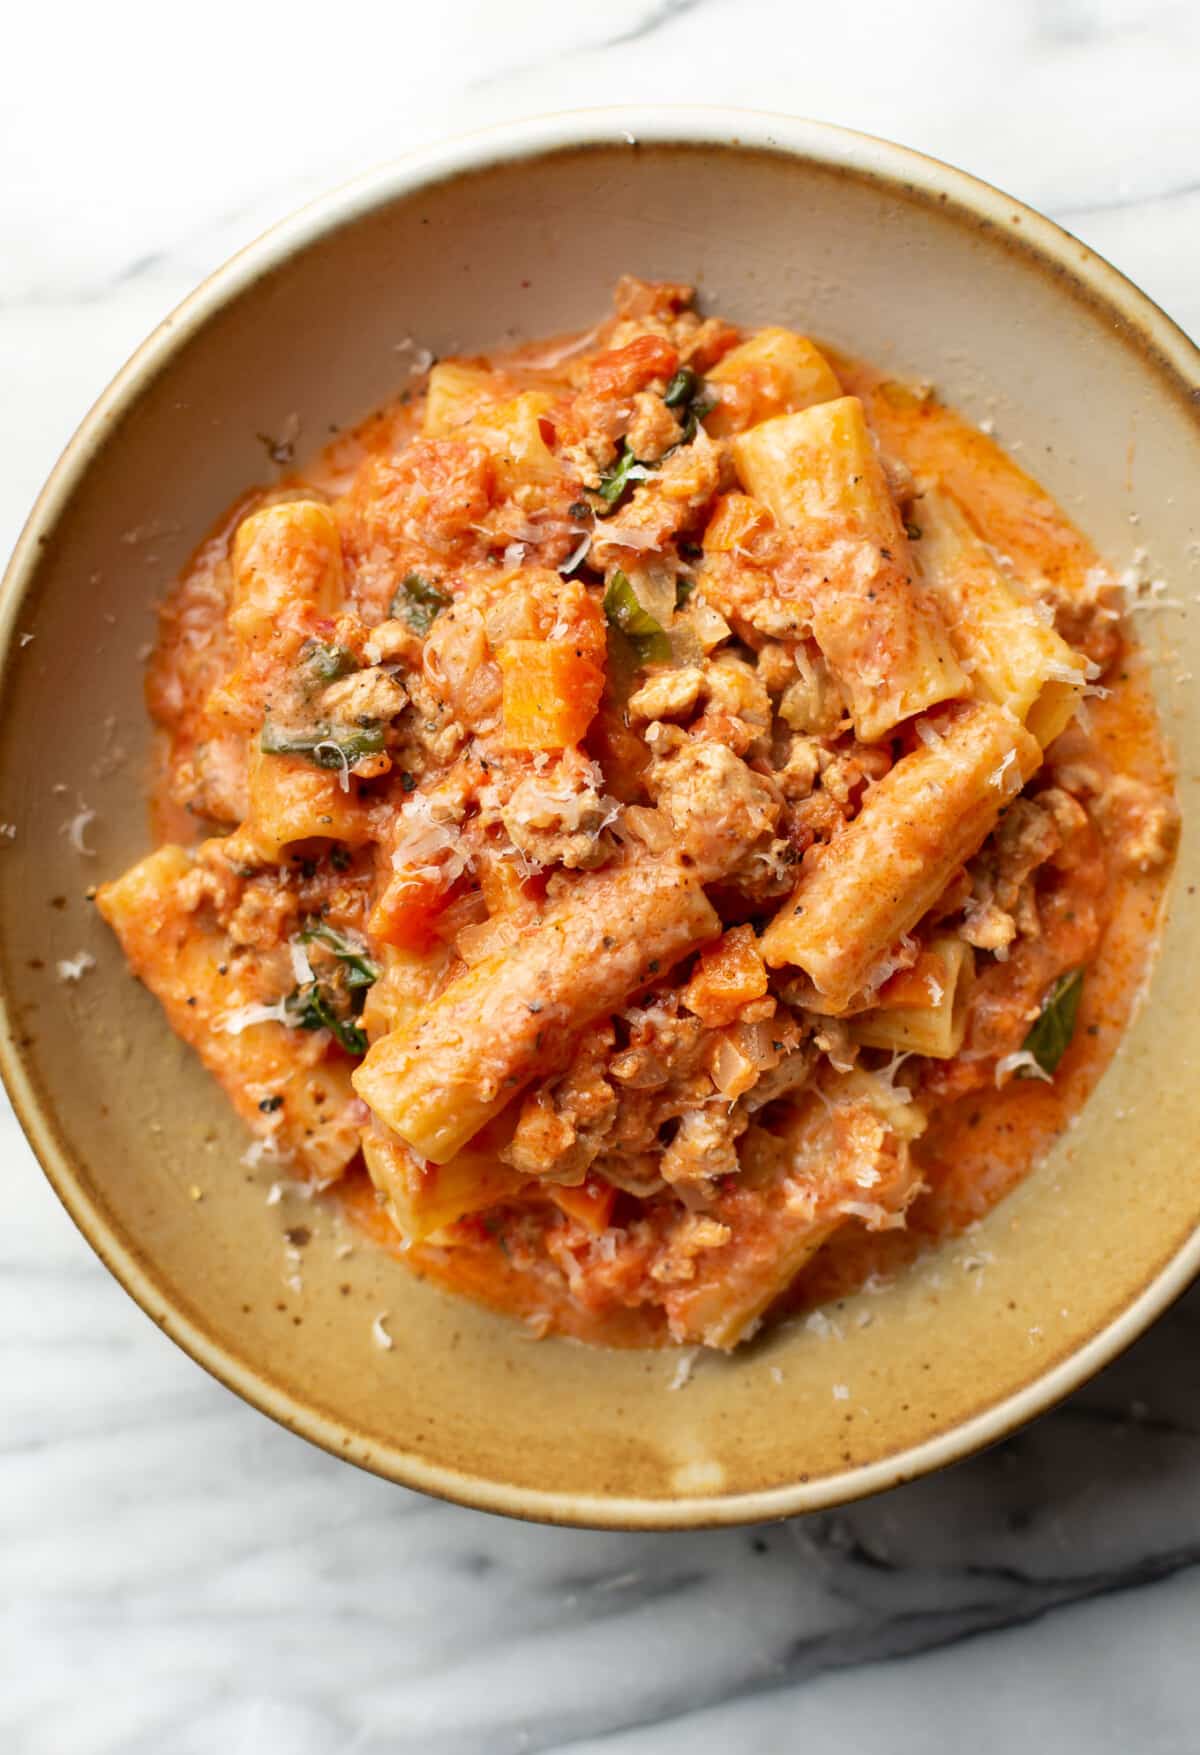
420	841
243	1017
997	777
1021	1059
873	1216
841	1392
76	967
684	1368
76	827
302	969
576	555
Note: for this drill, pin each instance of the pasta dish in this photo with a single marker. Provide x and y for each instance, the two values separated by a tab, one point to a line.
661	824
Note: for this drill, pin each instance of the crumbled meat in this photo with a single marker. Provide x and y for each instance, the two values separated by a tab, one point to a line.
667	503
669	694
812	702
1031	831
705	1145
555	817
719	807
394	642
988	927
1088	616
1141	825
653	428
689	1238
266	915
776	665
734	688
564	1122
368	695
800	771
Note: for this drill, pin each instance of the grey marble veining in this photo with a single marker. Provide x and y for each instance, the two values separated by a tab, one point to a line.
181	1576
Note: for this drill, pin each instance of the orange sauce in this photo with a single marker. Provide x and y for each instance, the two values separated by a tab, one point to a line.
979	1145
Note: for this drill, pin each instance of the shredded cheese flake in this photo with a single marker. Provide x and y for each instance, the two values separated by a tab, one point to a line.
76	967
684	1368
245	1016
1021	1060
76	827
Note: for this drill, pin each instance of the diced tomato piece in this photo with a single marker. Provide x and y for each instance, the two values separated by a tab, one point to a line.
591	1203
728	976
551	692
630	368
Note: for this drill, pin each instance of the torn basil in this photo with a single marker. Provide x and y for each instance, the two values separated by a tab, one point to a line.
1051	1034
419	602
360	970
326	746
646	636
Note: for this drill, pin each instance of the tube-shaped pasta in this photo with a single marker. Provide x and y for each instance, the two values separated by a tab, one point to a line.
881	634
842	1153
465	395
923	1010
457	392
436	1082
512	432
290	800
200	979
775	372
284	555
872	883
1012	657
424	1198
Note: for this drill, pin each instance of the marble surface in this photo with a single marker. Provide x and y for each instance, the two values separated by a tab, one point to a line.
178	1576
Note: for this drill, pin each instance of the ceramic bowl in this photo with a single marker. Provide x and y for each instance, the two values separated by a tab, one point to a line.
519	232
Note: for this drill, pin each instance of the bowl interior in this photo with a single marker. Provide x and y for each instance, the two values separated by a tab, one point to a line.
892	267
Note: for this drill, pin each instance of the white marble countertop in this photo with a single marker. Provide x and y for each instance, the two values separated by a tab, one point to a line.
179	1576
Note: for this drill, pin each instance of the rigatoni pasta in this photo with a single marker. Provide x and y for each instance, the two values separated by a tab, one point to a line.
870	886
632	829
1011	653
819	474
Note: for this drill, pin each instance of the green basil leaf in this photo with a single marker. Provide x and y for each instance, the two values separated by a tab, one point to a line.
625	613
419	602
622	473
313	1010
324	746
361	971
682	388
327	661
341	749
1051	1035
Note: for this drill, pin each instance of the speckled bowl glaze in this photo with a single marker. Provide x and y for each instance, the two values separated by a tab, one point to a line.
517	232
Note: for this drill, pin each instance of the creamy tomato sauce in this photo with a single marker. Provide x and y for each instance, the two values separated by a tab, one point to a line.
644	649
